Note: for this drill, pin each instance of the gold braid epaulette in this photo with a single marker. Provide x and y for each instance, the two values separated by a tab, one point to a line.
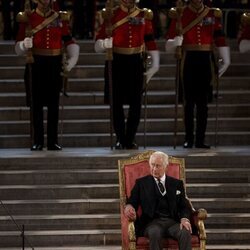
245	19
148	14
173	14
64	15
104	12
217	12
22	17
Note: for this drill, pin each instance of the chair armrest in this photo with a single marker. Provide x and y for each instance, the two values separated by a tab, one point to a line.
131	235
128	233
202	215
198	218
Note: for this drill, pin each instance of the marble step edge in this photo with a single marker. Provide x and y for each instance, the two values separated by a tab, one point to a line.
105	216
109	171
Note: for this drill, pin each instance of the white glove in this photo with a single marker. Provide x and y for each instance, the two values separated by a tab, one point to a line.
22	46
72	55
224	54
102	44
155	55
171	44
244	46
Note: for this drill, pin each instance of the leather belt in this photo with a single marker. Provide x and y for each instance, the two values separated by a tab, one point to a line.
46	52
197	47
128	51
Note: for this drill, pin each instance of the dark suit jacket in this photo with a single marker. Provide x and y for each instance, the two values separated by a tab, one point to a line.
144	195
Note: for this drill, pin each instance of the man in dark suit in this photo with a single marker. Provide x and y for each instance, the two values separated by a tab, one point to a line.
165	211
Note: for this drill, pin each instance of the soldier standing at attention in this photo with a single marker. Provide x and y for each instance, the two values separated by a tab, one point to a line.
132	31
201	32
50	34
244	35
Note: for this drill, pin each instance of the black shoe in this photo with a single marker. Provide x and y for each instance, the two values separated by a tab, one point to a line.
132	145
54	147
37	147
187	144
202	145
118	145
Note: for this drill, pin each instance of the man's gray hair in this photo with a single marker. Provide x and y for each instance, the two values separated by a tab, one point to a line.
163	156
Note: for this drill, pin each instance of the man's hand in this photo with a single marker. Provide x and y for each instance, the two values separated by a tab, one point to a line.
102	44
73	51
155	55
130	213
22	46
185	223
224	54
28	43
171	44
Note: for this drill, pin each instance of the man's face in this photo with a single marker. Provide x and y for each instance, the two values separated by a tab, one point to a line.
196	2
157	167
128	3
44	3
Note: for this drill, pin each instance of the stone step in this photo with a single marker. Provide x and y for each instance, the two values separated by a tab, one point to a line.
97	98
57	222
109	176
102	112
100	206
228	236
92	71
87	46
228	220
105	158
97	84
152	139
208	247
102	126
94	247
112	236
92	58
62	237
59	206
107	221
75	191
222	204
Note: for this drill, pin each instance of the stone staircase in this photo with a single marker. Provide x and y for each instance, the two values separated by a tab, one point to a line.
86	118
70	199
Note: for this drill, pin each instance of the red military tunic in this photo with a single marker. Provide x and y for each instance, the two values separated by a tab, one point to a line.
204	32
244	33
45	71
207	32
49	40
132	34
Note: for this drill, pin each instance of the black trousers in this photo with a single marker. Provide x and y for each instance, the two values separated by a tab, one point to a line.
167	227
127	72
197	74
45	89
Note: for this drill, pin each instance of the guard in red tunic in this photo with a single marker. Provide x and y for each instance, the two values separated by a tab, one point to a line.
132	32
201	32
50	34
244	34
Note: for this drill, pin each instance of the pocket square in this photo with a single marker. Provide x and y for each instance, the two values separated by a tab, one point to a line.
178	192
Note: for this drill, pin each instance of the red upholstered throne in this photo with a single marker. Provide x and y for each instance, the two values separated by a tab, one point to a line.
136	167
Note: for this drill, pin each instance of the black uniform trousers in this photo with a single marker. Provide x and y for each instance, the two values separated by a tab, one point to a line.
127	72
197	75
45	89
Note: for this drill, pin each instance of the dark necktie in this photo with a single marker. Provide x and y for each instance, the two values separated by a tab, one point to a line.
161	187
